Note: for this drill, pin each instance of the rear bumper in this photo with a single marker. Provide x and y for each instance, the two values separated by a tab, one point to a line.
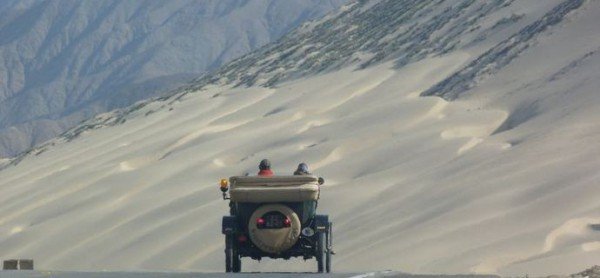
305	247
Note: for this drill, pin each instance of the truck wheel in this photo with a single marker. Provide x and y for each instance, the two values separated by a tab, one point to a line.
237	262
274	241
228	253
320	251
328	262
328	256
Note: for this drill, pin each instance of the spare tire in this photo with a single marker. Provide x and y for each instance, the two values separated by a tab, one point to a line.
274	241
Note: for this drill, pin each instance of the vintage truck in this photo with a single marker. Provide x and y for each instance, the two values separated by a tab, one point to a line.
275	217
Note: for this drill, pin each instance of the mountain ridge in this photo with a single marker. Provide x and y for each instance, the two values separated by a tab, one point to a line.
62	62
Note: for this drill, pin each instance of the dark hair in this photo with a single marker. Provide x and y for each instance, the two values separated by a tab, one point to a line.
303	167
265	164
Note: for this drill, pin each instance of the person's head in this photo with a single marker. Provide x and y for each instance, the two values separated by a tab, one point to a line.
265	164
303	167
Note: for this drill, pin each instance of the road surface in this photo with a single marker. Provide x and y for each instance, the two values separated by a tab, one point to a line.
109	274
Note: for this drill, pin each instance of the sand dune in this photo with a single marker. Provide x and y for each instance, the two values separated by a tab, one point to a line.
407	188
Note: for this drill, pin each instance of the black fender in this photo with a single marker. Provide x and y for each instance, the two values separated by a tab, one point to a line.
322	223
229	225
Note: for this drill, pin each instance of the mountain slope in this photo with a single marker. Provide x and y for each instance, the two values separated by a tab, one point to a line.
62	62
493	171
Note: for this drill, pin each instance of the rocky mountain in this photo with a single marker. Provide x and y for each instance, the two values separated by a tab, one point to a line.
369	32
64	61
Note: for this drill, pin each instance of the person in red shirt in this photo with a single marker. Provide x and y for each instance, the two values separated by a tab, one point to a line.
265	168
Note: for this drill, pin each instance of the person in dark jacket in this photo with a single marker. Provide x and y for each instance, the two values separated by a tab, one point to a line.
302	170
265	168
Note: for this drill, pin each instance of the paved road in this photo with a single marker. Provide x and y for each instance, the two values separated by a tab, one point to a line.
60	274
